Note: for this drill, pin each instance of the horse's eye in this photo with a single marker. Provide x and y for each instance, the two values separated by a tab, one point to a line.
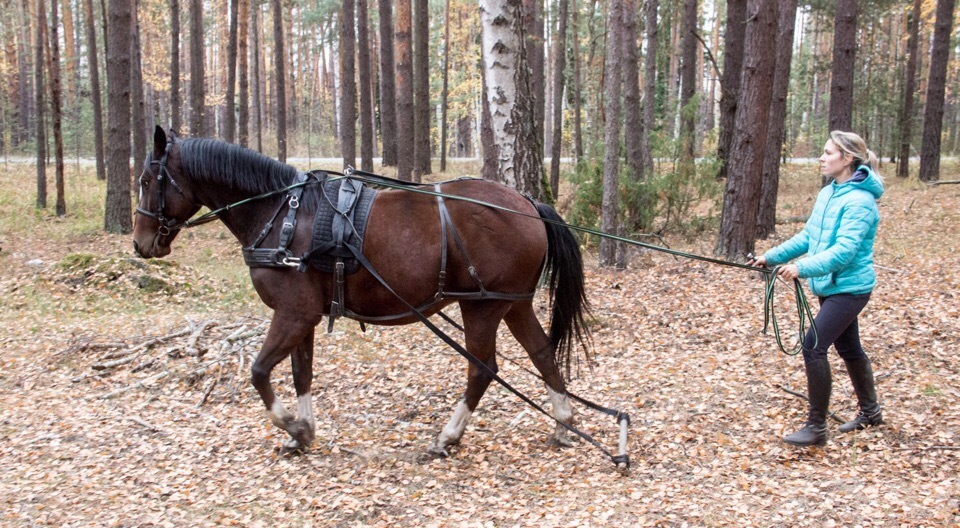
144	183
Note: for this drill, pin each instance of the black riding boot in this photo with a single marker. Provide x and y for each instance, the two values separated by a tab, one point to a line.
819	383
861	375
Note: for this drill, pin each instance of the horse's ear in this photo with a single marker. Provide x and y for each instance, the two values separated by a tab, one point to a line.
159	142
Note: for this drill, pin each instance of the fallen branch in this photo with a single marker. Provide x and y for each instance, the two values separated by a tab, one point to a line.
804	397
115	363
191	347
943	182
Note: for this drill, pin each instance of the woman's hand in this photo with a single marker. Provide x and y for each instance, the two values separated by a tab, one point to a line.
789	272
760	262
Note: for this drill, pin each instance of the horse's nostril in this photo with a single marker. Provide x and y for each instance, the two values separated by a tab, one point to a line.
136	248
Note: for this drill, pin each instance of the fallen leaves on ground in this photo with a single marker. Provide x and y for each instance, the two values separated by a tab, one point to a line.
124	405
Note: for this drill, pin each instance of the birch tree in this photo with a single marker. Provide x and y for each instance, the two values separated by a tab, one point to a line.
517	157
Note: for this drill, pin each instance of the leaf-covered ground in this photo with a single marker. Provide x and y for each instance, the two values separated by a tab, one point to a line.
125	401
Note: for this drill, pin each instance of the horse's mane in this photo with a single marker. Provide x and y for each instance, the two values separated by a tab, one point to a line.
221	163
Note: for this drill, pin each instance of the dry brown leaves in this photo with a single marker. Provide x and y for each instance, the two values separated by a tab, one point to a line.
127	408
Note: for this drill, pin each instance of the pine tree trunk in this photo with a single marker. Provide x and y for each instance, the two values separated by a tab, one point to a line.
421	90
348	85
632	111
844	64
366	107
559	53
56	107
610	221
770	179
738	223
388	98
909	91
255	75
176	103
533	44
446	81
243	66
93	68
230	116
404	95
117	218
39	86
936	87
649	83
69	49
688	82
733	51
279	64
577	92
197	110
138	109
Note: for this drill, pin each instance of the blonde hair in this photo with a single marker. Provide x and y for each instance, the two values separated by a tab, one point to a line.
853	145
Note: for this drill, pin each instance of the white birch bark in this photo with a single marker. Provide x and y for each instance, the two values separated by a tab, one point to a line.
519	154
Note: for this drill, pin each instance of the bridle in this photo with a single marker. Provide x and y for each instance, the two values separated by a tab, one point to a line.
167	225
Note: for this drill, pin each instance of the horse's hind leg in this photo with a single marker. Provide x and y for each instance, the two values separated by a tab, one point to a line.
480	322
283	338
523	324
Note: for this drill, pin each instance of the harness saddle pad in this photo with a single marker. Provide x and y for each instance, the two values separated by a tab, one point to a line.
341	221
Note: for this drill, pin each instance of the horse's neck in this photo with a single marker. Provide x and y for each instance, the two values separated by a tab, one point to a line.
245	220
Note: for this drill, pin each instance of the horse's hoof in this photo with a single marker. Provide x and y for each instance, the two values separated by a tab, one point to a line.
562	441
437	451
430	455
291	448
301	432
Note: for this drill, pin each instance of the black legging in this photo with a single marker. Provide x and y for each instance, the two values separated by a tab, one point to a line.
837	325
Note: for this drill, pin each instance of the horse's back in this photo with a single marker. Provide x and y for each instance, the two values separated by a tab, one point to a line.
506	250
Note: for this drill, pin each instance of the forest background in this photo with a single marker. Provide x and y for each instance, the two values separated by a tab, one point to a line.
124	383
413	78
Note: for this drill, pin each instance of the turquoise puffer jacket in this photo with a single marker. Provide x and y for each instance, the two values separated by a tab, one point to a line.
838	238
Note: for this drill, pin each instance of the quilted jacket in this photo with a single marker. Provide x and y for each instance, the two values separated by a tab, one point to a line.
838	238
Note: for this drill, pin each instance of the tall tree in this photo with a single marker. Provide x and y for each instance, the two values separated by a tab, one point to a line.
176	103
533	29
117	218
421	89
610	210
632	111
650	82
70	48
39	87
516	149
279	65
255	74
738	222
404	95
446	86
94	72
733	54
770	179
243	111
688	80
577	92
366	101
388	99
230	116
936	88
559	53
56	106
348	85
197	96
909	91
844	55
138	104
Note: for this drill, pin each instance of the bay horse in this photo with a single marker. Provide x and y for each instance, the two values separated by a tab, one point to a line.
504	252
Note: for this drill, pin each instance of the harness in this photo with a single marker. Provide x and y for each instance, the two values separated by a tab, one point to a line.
337	243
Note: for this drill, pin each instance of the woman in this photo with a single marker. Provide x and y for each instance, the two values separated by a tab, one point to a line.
837	242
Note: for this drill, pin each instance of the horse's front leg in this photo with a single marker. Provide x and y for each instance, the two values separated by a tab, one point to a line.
284	338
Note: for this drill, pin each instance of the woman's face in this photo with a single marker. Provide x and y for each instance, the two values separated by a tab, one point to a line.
833	162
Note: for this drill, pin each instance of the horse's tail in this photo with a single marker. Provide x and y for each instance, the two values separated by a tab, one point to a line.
563	273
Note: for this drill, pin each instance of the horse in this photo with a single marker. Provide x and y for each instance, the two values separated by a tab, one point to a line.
506	254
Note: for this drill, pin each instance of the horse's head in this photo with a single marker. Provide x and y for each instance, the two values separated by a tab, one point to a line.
166	199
